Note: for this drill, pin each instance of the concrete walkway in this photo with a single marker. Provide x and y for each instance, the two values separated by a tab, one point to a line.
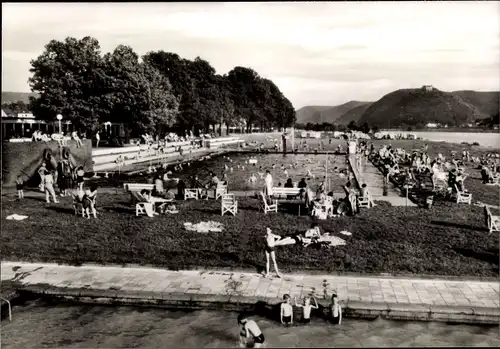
469	301
374	180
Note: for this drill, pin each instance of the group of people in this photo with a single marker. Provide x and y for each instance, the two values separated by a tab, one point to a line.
251	334
61	138
446	175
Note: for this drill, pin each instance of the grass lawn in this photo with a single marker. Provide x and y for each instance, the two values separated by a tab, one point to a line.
449	240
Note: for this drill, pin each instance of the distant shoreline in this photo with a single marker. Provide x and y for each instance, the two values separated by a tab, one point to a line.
465	130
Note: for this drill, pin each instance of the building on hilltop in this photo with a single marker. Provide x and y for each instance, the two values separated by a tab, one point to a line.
428	88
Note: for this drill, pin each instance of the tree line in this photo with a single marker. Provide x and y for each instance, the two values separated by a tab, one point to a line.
158	91
325	126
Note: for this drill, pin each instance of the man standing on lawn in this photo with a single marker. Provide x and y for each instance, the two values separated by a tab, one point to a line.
268	180
271	240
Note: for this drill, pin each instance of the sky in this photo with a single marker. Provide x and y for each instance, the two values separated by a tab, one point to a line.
317	53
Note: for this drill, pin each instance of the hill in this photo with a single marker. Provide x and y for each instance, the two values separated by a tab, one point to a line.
318	115
353	114
486	102
310	114
417	107
9	97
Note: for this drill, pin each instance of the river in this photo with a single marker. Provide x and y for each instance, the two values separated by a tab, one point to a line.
39	324
491	139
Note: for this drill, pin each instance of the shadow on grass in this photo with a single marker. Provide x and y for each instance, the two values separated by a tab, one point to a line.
65	210
490	256
126	210
456	225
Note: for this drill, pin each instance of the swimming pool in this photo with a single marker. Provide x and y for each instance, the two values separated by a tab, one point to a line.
79	326
238	170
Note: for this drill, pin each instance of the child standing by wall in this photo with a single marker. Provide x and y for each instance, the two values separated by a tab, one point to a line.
19	187
286	313
307	307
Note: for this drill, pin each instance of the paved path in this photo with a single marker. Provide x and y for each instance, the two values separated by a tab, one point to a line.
473	294
374	180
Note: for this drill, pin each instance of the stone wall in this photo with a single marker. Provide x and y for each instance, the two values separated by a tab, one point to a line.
25	159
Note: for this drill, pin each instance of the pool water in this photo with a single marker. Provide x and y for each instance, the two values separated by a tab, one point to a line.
311	167
39	324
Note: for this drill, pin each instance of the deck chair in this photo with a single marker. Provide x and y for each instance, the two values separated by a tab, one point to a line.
495	180
268	208
220	190
142	206
191	193
493	222
463	196
363	202
229	204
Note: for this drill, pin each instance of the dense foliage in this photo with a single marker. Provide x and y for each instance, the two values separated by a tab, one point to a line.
159	91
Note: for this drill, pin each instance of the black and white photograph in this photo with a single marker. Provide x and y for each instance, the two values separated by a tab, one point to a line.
294	174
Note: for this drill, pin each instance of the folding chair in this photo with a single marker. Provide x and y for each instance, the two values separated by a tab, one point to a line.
229	204
363	202
268	207
493	222
220	190
191	193
463	196
142	207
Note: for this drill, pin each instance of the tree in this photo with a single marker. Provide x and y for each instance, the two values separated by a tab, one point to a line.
243	84
16	107
365	128
352	126
137	94
177	70
68	76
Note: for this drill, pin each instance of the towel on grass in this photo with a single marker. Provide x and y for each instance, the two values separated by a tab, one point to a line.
204	227
16	217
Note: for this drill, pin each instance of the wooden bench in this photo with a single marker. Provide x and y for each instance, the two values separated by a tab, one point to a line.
284	192
137	186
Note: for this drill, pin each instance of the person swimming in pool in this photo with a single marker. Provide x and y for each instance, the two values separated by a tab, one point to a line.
250	329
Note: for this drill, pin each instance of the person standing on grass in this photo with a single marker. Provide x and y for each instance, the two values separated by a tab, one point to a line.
268	181
20	187
286	311
249	328
270	245
49	187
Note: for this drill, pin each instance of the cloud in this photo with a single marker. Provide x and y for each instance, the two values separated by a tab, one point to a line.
326	53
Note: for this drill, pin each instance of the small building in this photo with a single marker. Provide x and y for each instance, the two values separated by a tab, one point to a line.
428	88
431	125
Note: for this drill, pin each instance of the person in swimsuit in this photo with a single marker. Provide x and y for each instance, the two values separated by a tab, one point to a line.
249	328
20	187
286	311
270	244
307	308
336	310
